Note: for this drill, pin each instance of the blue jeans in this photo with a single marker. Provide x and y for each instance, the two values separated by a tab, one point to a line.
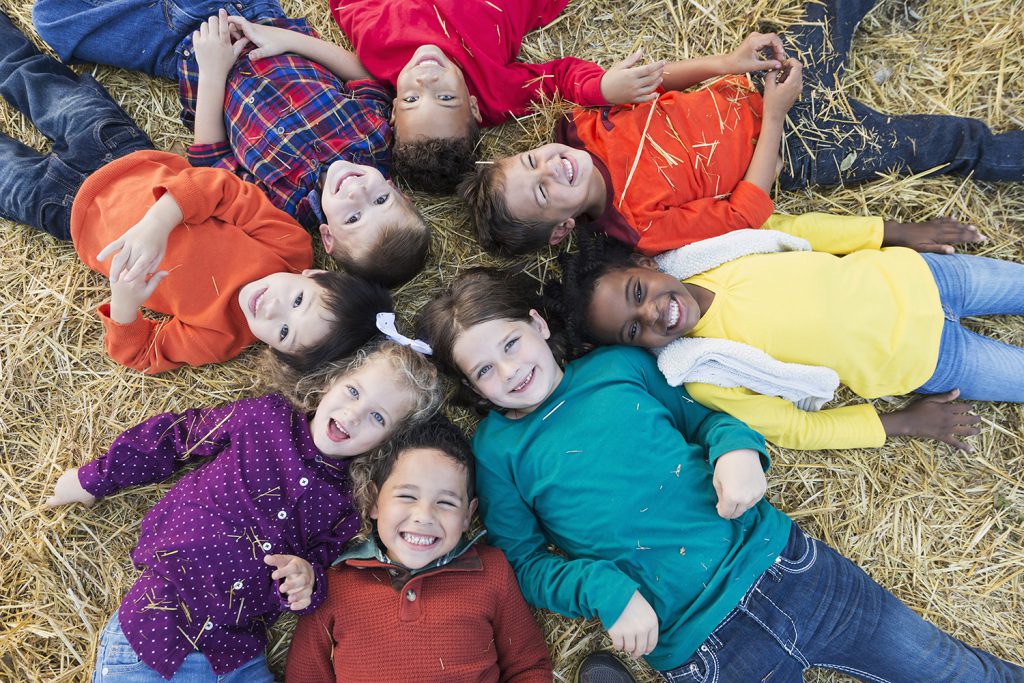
141	35
87	127
851	150
982	369
815	608
117	661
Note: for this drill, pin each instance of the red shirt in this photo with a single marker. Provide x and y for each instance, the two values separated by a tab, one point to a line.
481	36
687	185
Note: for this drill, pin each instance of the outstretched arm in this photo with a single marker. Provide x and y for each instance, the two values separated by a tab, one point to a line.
680	75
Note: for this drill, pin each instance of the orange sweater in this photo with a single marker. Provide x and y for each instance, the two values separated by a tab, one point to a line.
693	149
231	235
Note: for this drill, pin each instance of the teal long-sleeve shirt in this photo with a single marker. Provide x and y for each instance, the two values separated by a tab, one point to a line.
615	469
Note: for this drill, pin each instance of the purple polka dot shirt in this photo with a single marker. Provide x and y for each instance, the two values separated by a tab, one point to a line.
204	585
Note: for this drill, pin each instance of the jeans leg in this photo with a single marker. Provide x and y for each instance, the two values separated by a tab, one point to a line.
87	127
821	39
253	671
37	190
977	285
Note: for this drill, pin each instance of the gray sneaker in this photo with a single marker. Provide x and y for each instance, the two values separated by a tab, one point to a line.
603	667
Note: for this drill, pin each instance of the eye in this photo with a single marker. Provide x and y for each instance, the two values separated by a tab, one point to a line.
446	98
410	98
483	371
379	419
298	301
529	160
543	192
510	343
405	496
381	199
638	293
352	391
633	330
447	503
353	218
284	332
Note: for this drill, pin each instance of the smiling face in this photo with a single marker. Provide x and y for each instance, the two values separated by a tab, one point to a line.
641	306
432	100
358	202
508	362
360	410
286	311
422	508
552	185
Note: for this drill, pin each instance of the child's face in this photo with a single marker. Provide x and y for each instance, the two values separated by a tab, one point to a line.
641	306
508	362
357	202
286	311
431	98
360	410
550	185
422	509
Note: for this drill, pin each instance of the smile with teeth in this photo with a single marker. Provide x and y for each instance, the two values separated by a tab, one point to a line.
569	173
344	179
335	432
254	303
522	385
672	314
417	539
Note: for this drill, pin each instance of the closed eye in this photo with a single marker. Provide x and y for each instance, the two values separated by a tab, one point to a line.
529	160
448	503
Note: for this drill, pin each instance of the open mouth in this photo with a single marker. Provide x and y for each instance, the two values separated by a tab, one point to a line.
570	169
335	432
672	314
419	540
344	179
524	384
255	300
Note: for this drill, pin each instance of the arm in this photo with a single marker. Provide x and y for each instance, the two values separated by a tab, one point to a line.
747	57
779	96
310	657
520	647
215	55
576	80
272	40
846	234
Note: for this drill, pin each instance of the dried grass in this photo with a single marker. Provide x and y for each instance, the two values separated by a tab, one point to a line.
941	529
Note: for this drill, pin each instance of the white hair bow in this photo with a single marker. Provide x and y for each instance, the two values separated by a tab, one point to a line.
386	324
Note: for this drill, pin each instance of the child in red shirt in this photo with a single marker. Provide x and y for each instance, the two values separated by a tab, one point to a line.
453	65
417	600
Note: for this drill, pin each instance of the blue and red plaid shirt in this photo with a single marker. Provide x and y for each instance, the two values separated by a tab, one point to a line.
286	119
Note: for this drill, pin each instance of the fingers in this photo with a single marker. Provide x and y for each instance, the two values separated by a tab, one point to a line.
238	46
153	283
120	261
110	249
630	60
943	398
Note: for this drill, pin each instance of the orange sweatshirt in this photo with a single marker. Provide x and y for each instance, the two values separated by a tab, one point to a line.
690	151
231	235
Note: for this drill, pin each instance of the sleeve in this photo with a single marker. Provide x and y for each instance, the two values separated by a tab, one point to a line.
151	451
674	226
522	653
573	587
782	423
374	94
831	233
323	550
310	655
577	80
152	346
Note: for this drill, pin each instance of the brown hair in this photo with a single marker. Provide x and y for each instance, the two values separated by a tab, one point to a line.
436	164
398	255
497	230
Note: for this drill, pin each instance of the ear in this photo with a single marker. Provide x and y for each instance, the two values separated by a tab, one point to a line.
645	262
309	272
540	324
327	238
469	514
467	383
394	108
474	109
561	231
373	512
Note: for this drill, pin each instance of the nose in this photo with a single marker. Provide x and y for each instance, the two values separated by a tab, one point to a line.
507	370
549	167
423	513
270	306
356	189
428	77
650	314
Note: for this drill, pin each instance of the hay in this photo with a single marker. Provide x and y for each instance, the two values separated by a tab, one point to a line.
943	530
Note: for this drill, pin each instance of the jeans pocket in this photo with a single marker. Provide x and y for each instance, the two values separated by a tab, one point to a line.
701	667
118	659
800	553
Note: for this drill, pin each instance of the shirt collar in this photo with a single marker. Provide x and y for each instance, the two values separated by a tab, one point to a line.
371	549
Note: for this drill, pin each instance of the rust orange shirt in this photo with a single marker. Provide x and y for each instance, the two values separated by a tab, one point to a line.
231	235
674	167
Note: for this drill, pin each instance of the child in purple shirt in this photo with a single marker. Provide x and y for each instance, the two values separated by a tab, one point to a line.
250	532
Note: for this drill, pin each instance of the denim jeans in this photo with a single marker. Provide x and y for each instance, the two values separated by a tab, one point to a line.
815	608
983	369
116	661
87	127
141	35
842	149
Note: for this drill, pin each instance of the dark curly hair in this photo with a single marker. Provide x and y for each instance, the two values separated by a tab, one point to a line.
398	255
497	230
435	165
568	299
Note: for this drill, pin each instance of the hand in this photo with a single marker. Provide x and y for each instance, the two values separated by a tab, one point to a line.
270	41
635	632
739	482
139	250
783	87
127	297
938	417
627	83
936	236
748	56
215	51
298	579
68	490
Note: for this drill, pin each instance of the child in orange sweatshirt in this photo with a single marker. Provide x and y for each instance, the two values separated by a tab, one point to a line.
196	244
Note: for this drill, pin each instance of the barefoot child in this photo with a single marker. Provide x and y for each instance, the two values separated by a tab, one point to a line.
272	103
250	532
698	164
705	578
224	264
418	600
454	67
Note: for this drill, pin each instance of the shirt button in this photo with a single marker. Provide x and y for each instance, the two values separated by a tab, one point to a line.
252	98
237	585
186	53
410	595
208	626
282	515
267	546
105	671
393	572
304	482
280	130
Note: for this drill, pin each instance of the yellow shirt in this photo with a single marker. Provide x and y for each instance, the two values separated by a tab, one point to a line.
873	316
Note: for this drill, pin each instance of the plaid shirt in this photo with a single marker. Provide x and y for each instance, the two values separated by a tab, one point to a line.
286	119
